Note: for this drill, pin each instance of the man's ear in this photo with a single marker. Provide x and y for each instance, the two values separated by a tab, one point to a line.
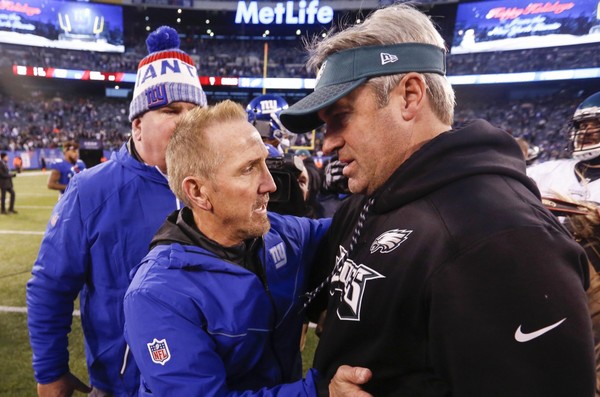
136	129
413	90
197	192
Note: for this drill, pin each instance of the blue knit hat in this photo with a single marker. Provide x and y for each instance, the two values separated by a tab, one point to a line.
166	75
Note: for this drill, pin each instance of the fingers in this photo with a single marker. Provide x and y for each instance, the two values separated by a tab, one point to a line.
348	380
62	387
356	375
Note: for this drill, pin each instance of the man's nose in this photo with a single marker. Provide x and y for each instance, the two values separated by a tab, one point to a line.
332	142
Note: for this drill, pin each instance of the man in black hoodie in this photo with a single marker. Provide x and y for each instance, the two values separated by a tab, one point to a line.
447	276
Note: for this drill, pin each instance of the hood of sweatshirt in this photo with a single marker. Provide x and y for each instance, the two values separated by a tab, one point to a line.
476	148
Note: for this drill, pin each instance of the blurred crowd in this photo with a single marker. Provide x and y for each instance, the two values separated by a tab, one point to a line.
231	58
542	121
43	121
516	61
286	58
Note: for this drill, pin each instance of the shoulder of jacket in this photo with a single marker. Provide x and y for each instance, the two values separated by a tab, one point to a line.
552	165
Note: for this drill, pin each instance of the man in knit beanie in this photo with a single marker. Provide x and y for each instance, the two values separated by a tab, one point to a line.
166	75
101	228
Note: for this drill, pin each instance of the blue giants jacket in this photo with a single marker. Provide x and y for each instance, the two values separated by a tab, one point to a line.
67	170
99	230
200	325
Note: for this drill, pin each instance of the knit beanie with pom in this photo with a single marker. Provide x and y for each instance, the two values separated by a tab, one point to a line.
165	75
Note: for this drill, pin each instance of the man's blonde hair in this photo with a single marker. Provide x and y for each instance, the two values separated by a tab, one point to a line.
189	152
401	23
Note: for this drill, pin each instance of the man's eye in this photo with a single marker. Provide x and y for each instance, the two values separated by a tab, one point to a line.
337	121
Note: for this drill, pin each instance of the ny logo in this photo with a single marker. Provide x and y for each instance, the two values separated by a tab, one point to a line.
278	254
157	96
269	105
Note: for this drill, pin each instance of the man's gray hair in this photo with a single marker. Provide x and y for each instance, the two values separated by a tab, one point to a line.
400	23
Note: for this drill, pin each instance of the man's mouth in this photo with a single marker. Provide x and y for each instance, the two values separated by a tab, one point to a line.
261	207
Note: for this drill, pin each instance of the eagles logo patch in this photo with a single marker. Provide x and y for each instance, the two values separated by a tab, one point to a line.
390	240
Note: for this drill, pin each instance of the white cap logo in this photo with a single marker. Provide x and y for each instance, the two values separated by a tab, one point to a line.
387	58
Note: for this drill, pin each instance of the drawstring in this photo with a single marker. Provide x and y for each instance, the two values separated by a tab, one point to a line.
125	356
353	241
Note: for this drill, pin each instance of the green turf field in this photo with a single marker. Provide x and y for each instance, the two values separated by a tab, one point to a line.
20	237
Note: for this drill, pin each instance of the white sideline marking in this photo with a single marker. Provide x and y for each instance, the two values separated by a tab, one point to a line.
33	173
14	309
36	207
20	232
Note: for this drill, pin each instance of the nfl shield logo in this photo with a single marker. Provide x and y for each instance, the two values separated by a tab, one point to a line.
159	351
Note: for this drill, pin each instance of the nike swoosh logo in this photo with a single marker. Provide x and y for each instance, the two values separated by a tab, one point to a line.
526	337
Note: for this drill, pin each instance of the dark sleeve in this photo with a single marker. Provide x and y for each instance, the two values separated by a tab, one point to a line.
514	308
4	174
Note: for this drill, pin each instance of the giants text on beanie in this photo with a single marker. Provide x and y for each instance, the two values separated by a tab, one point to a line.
166	75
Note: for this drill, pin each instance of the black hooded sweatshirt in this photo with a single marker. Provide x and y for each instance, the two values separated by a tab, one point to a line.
457	267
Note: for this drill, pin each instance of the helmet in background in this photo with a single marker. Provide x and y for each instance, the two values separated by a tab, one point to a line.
584	134
263	112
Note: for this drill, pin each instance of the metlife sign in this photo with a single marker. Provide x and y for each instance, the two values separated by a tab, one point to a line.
305	13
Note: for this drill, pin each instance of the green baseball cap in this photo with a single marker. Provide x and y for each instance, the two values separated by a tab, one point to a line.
344	71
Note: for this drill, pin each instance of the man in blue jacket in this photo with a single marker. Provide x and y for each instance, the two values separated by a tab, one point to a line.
214	308
64	169
101	228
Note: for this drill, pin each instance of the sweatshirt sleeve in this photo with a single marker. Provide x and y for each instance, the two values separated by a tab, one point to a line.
4	172
177	357
514	306
57	277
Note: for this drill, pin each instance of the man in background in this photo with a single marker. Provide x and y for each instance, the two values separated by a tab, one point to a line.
64	169
577	178
6	185
101	228
18	164
263	112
